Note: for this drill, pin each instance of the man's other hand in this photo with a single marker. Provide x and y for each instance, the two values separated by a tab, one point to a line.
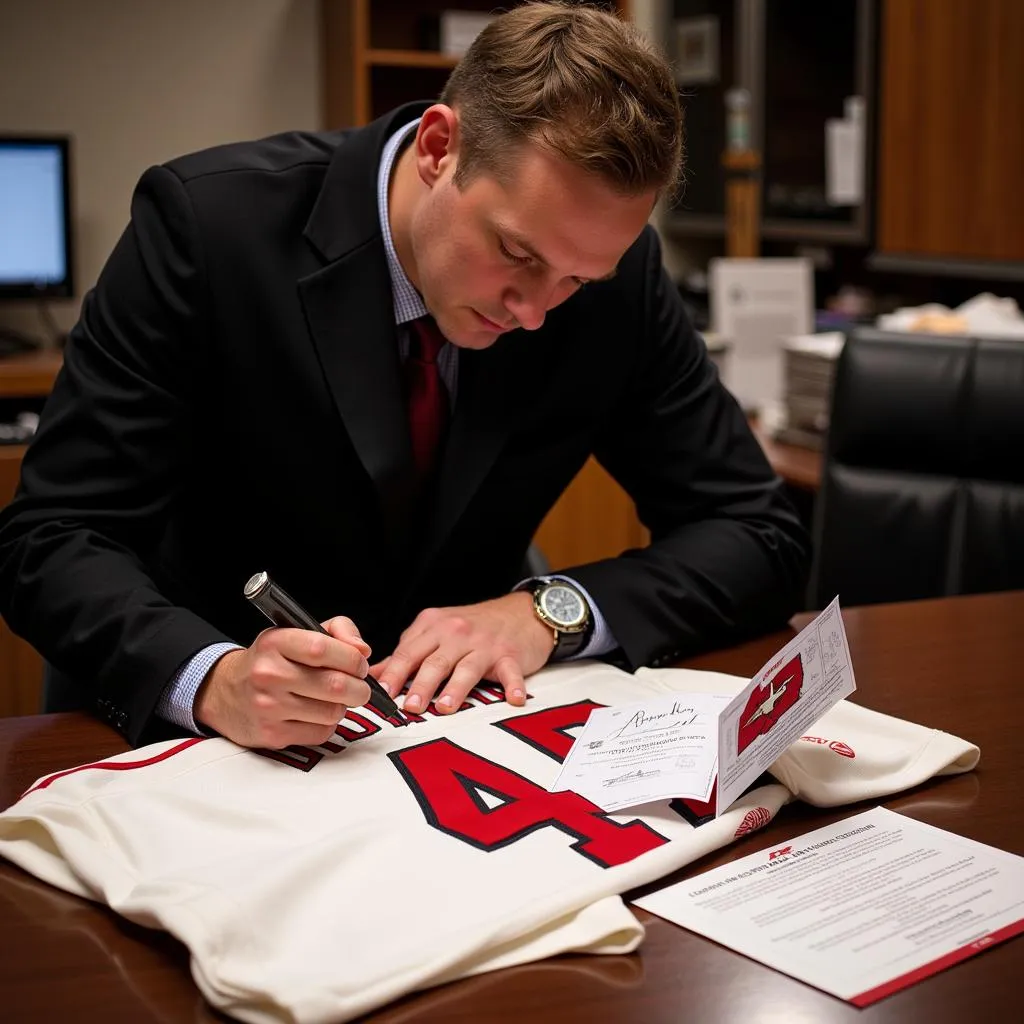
502	640
292	686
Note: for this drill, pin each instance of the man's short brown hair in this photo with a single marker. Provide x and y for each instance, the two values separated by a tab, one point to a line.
577	80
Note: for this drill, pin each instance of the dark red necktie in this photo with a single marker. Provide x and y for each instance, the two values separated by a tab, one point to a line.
426	395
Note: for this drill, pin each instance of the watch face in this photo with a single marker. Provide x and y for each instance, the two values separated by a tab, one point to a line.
563	605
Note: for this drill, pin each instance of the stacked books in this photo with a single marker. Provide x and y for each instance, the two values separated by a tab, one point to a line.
809	362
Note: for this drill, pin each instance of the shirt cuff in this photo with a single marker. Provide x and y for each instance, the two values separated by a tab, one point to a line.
601	639
179	694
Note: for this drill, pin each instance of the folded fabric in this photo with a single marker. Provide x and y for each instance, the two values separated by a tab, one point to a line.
315	884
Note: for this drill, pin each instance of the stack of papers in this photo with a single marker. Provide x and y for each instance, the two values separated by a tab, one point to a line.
809	365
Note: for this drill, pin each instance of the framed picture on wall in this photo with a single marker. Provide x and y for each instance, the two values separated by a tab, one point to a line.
696	50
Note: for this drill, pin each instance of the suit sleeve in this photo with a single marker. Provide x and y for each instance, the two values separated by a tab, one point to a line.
79	544
729	556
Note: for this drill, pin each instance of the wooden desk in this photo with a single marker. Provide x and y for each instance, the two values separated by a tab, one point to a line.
27	376
799	467
952	664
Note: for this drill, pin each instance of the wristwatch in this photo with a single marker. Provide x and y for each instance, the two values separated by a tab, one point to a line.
564	609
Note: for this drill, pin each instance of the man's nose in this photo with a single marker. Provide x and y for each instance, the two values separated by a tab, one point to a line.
529	306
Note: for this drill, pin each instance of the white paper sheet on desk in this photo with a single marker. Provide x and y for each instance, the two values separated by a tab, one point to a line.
654	750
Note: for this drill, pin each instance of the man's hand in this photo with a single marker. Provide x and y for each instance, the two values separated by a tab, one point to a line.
501	640
290	686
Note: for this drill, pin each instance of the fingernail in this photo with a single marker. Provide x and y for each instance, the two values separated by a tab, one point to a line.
445	701
412	703
364	667
517	695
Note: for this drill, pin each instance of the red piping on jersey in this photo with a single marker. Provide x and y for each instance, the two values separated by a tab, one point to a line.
115	766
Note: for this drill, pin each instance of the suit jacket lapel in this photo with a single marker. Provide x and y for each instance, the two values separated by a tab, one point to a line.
350	316
350	312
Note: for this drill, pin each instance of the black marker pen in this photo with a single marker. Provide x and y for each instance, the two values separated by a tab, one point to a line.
284	610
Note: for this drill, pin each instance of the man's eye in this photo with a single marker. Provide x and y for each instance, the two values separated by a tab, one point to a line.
511	256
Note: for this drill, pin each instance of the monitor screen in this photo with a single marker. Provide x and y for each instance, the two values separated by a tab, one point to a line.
35	219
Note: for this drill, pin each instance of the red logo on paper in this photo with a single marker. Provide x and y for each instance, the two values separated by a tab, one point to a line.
769	702
841	748
780	852
753	820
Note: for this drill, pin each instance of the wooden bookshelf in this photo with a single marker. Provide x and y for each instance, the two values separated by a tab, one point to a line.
375	57
410	59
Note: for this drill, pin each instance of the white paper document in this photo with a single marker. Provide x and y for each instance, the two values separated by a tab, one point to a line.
678	746
655	750
844	162
756	304
811	674
860	909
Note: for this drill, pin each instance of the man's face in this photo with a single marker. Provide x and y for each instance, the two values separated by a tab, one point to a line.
498	253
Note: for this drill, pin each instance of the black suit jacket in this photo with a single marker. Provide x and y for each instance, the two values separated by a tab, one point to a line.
230	402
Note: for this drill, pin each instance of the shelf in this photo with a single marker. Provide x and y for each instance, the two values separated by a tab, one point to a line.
410	59
703	225
951	266
828	232
29	376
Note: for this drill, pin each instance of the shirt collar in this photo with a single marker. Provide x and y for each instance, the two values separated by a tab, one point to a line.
408	303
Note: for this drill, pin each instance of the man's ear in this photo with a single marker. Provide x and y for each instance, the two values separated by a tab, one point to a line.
437	143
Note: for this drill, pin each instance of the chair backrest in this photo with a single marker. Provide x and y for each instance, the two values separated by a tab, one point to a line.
923	482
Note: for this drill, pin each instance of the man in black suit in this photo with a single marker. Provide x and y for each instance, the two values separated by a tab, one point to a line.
253	385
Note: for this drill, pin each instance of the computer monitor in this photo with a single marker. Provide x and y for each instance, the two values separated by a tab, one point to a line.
35	218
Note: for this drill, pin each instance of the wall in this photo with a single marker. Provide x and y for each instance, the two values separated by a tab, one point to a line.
139	81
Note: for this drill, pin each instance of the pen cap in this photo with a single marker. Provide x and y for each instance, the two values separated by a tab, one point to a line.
257	583
277	605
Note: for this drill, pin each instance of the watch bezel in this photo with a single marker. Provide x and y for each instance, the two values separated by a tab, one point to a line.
540	594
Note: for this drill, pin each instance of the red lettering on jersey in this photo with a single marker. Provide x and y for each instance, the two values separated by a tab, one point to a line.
353	726
448	780
303	758
486	692
546	730
769	702
483	693
695	812
838	747
371	710
752	821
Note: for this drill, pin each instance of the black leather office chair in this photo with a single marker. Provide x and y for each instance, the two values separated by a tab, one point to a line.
923	483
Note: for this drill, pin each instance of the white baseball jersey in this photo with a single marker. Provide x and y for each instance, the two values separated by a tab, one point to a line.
315	884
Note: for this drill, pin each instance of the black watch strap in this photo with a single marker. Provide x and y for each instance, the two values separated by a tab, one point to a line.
568	644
